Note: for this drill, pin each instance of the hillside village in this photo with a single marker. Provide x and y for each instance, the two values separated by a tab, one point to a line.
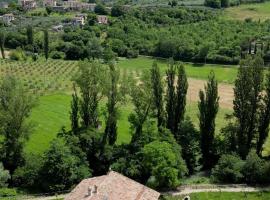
58	6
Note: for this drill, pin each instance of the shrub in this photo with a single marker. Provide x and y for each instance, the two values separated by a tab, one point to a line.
28	175
228	169
18	54
253	170
62	168
164	164
57	55
4	176
7	192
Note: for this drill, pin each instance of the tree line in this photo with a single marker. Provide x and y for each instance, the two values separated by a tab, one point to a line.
160	32
165	146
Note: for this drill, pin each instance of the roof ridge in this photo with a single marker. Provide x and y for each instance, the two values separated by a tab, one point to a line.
125	177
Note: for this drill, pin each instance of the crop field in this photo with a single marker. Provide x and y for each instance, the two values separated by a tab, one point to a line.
52	81
41	77
227	196
258	11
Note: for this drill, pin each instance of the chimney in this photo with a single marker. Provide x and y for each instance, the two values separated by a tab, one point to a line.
89	192
95	189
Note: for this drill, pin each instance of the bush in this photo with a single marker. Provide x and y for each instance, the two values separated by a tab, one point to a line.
4	176
165	165
7	192
62	168
228	169
253	169
28	175
57	55
17	55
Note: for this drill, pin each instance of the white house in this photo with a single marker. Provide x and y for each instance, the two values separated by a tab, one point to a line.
27	4
7	18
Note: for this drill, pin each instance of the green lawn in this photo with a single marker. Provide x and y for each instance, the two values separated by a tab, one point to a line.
258	11
52	113
223	73
226	196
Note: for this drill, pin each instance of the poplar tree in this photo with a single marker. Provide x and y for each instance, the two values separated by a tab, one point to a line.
157	89
247	92
2	44
74	114
170	95
30	36
180	97
112	94
89	80
208	109
46	44
264	118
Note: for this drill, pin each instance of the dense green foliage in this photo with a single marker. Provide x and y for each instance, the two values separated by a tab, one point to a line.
164	32
208	107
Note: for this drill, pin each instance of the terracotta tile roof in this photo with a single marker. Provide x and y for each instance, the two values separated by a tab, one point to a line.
112	186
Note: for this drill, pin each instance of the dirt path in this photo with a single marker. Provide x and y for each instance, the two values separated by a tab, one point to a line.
225	92
185	190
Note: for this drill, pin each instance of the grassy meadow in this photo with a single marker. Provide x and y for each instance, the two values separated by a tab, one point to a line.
52	80
52	113
224	73
256	11
226	196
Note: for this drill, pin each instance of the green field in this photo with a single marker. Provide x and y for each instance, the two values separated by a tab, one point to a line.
226	196
258	11
53	80
224	73
52	113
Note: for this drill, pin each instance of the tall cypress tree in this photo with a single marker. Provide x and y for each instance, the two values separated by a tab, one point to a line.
157	88
170	96
208	109
111	121
46	44
74	114
264	119
180	97
2	44
30	36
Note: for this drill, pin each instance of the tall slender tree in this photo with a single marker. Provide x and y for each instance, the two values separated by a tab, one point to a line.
175	96
30	35
15	107
112	94
141	97
157	89
89	80
247	92
2	44
170	95
46	43
208	109
180	97
74	114
264	118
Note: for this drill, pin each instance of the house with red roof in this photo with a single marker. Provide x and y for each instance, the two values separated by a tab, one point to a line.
113	186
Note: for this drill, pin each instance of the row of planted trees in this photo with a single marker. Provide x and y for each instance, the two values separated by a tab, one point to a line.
165	145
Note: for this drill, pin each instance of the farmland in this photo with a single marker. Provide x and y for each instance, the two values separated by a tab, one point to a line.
259	11
54	85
